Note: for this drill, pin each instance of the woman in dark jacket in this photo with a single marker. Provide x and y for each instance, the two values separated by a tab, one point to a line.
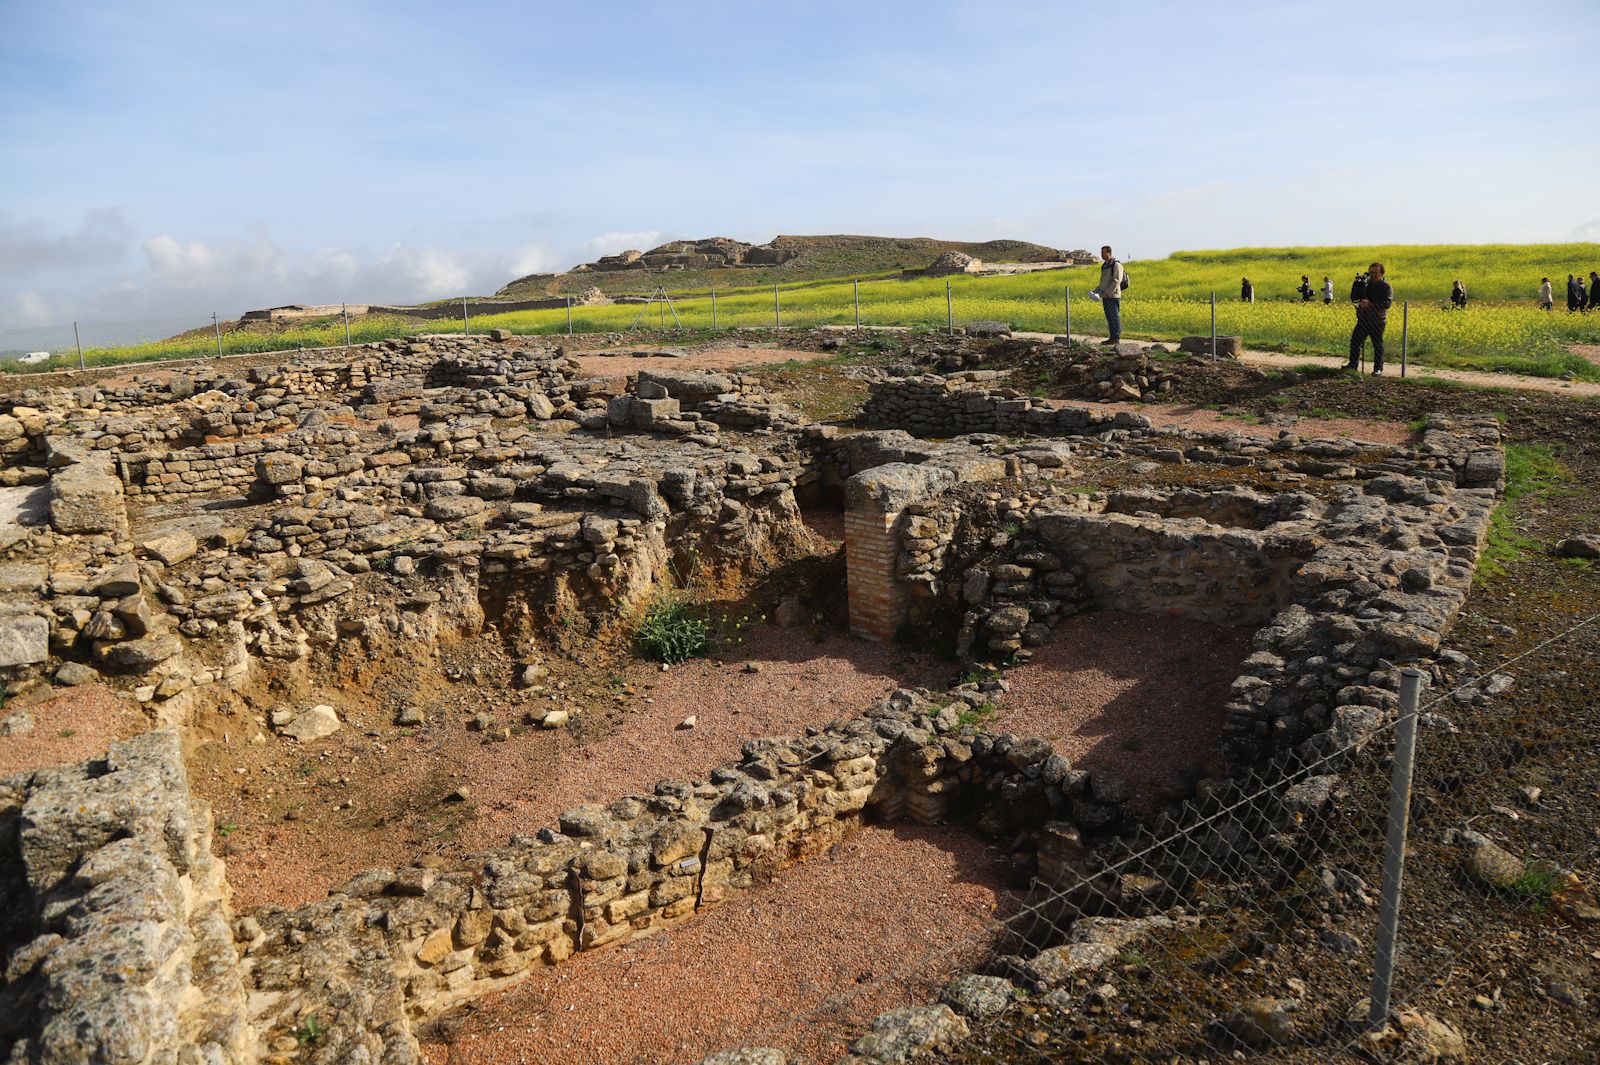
1458	296
1594	290
1247	291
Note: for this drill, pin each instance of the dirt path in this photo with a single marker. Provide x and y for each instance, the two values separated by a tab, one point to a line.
884	917
1474	378
1189	416
619	362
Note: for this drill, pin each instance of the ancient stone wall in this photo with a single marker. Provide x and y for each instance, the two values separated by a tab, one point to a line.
118	942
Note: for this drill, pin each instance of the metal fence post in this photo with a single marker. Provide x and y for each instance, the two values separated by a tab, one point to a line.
216	327
777	312
855	285
713	310
466	324
1405	331
949	311
78	341
1213	325
569	316
344	309
1394	849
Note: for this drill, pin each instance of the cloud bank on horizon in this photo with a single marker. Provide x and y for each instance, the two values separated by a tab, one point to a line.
171	159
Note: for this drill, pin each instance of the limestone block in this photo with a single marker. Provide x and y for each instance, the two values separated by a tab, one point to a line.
87	498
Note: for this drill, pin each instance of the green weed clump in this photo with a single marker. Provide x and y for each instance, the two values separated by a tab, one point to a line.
672	630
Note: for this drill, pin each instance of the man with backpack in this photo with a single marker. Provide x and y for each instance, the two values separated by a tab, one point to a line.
1373	300
1113	280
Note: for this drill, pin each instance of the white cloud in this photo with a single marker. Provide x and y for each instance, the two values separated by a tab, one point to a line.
1588	229
612	243
532	259
29	248
31	309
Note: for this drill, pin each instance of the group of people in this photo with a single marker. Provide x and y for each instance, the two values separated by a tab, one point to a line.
1247	290
1580	296
1371	294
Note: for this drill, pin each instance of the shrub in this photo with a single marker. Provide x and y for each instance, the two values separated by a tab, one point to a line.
672	630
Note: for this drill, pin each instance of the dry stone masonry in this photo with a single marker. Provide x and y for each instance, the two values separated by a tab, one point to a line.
197	539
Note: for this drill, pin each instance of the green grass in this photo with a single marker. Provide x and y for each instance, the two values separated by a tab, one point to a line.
1532	470
672	630
1502	330
1535	887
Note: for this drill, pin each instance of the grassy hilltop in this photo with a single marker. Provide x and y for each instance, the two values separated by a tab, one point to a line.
815	259
1502	330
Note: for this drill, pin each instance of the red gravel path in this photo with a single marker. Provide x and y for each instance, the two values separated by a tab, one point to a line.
884	918
801	681
1189	416
74	725
1137	694
621	362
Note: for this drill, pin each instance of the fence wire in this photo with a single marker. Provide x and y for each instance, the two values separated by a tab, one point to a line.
1241	925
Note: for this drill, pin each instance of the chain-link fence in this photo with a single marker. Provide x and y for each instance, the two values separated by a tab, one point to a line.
1276	915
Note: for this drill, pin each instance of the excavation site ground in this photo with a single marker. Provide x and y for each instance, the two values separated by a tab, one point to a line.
809	696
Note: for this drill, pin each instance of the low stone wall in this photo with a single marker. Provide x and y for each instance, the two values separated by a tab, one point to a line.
105	843
930	405
118	945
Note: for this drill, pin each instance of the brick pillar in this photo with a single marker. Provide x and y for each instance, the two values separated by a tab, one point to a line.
877	600
874	501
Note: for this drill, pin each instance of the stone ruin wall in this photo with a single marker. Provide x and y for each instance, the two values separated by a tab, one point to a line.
521	491
1368	572
114	857
1374	567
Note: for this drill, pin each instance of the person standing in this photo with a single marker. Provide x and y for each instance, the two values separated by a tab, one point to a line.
1584	295
1247	291
1327	290
1372	317
1594	290
1304	289
1458	296
1572	293
1547	295
1113	279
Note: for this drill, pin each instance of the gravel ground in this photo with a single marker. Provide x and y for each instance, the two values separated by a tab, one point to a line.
884	918
622	361
73	726
800	681
1189	416
1137	694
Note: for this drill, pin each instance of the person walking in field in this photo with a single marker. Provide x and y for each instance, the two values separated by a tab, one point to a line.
1247	291
1372	316
1458	296
1113	279
1585	297
1572	293
1547	295
1327	290
1305	289
1594	290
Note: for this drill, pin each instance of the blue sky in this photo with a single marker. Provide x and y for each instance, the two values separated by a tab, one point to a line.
165	160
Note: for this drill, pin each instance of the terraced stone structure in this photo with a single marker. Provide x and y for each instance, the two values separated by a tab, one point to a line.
205	539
